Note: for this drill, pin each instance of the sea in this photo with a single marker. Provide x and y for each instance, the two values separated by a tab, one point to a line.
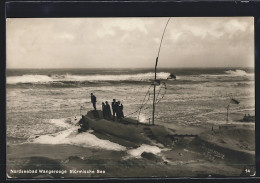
42	105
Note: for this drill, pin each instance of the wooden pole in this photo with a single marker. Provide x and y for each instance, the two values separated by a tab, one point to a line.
80	111
154	87
227	112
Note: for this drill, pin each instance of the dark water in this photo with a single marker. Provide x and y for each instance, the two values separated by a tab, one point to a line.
40	100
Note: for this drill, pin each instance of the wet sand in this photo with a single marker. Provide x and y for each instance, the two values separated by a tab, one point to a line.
71	158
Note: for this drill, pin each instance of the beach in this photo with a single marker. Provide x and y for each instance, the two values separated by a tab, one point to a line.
188	158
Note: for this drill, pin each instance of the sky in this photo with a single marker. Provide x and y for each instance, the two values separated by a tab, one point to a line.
129	42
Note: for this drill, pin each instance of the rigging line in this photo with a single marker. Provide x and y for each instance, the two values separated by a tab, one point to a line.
144	100
142	103
137	110
158	93
131	113
162	97
145	97
157	101
165	88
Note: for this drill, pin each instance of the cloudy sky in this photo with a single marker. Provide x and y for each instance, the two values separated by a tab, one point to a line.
129	42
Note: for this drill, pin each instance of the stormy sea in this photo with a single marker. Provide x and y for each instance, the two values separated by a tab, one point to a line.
42	105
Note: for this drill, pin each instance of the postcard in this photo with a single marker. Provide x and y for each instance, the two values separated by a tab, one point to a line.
130	97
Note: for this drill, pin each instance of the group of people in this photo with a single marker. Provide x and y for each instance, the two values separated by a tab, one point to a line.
117	109
106	110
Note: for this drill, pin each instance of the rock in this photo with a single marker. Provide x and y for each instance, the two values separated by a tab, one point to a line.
84	125
150	156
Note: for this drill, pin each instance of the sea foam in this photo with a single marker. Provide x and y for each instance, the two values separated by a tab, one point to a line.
28	79
80	78
144	148
237	72
71	136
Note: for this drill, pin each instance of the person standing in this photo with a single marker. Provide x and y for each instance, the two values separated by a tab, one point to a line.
118	111
114	108
108	110
94	100
121	107
104	110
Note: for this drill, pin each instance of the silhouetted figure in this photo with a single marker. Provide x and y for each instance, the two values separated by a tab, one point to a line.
121	112
104	110
108	110
94	101
117	110
114	108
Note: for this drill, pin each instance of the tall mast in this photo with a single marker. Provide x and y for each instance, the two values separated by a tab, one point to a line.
155	69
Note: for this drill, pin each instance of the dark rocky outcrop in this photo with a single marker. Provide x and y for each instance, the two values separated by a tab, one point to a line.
150	156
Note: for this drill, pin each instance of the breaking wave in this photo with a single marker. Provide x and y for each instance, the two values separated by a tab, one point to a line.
230	74
65	131
238	72
72	137
81	78
70	80
29	79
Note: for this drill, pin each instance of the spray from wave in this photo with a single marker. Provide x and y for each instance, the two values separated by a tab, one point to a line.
29	79
70	136
237	72
79	78
229	73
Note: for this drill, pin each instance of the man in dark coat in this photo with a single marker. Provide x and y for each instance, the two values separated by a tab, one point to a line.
94	101
114	108
108	110
120	111
104	110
